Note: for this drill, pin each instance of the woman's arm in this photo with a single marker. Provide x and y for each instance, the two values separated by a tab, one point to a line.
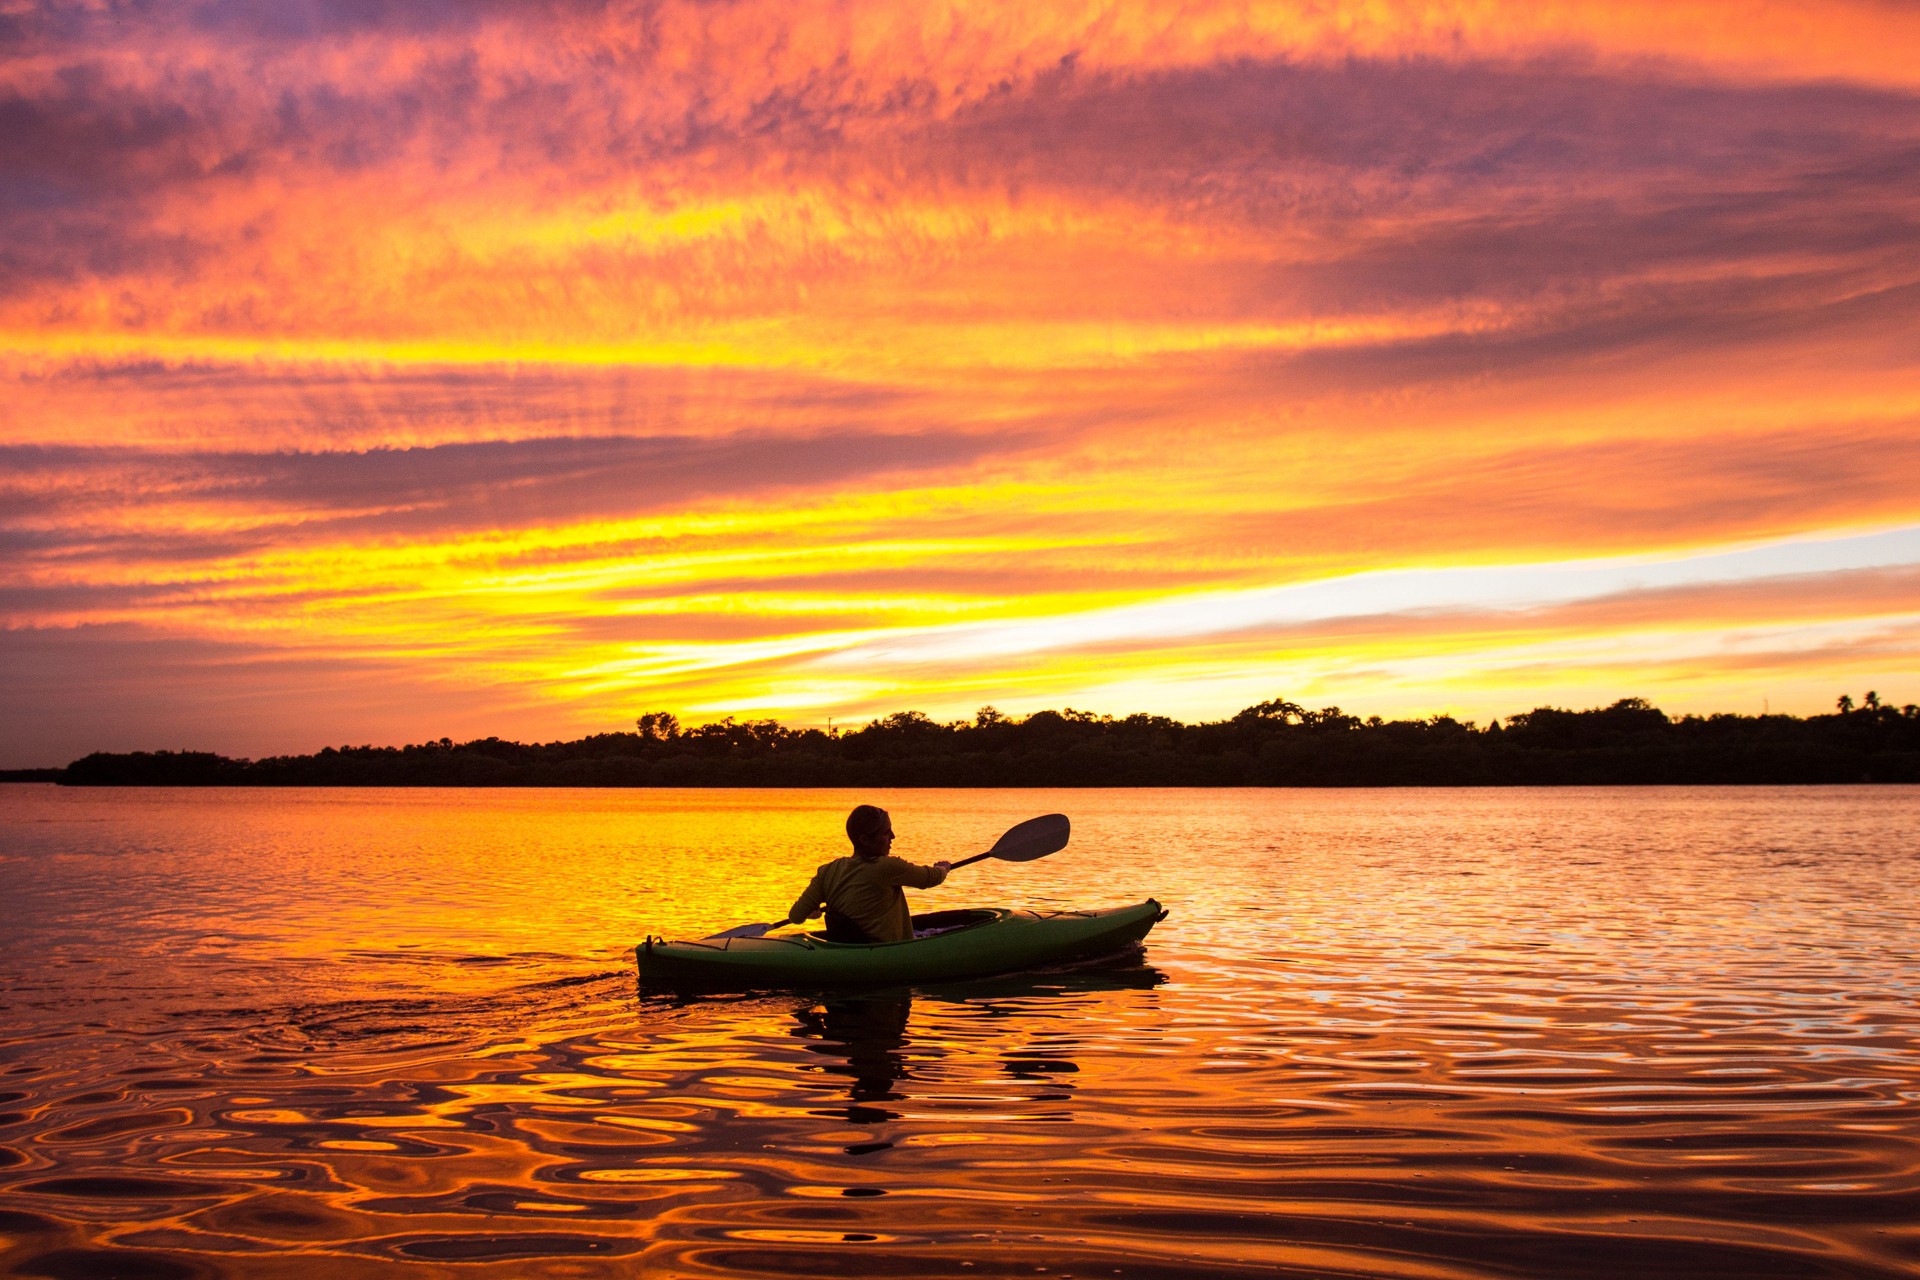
810	903
914	876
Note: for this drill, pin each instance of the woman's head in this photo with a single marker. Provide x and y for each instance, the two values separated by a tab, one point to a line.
871	831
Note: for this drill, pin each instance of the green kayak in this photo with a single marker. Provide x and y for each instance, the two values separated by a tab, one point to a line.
947	945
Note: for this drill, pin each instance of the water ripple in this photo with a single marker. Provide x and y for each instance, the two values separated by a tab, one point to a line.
1689	1051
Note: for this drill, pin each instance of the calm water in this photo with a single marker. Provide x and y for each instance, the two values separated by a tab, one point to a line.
1423	1034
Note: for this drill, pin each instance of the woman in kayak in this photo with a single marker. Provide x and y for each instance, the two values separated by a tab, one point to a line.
862	893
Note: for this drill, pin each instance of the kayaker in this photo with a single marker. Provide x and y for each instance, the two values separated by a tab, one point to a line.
862	894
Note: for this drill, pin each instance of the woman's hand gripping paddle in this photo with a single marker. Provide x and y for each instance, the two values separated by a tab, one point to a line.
1034	838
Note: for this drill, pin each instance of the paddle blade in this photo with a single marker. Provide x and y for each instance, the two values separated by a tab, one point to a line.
745	931
1034	838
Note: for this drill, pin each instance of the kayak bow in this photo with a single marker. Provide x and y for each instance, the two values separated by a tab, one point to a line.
972	943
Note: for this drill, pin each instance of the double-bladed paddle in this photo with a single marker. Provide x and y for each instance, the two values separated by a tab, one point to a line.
1030	840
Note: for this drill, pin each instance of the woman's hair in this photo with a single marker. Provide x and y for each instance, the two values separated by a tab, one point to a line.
863	824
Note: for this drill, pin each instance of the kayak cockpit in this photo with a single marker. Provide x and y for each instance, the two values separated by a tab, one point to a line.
931	924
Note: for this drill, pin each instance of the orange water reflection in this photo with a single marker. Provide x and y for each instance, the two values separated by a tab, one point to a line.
1386	1034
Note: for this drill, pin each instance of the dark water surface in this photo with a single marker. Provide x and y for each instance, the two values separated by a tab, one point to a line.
1423	1034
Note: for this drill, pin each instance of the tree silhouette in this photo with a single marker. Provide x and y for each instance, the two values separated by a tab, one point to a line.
660	726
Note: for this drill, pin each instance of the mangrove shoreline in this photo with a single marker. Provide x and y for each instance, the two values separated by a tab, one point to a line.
1276	743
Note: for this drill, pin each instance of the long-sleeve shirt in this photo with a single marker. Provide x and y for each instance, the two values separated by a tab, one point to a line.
867	893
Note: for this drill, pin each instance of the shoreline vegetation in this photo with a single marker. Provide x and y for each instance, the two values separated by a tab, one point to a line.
1276	743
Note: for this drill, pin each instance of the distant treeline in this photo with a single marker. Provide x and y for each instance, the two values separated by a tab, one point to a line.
1273	744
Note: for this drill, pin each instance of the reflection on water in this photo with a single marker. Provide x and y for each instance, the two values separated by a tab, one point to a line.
1419	1034
864	1039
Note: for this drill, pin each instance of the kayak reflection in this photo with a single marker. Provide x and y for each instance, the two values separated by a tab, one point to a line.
867	1039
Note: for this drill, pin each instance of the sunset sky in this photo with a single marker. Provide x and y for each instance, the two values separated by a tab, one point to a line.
376	372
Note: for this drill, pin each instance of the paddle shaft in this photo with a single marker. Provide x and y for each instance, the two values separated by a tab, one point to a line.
955	866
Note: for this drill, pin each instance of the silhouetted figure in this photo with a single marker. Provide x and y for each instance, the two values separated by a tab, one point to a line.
862	894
